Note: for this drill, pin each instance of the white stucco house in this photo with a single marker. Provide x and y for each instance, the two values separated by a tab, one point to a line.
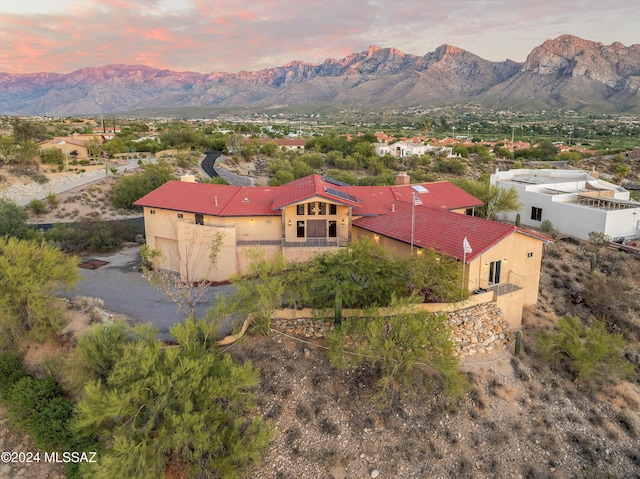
575	201
403	149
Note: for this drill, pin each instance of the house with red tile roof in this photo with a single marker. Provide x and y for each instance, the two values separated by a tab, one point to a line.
315	214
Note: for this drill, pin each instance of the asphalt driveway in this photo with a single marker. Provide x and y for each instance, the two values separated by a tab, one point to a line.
125	291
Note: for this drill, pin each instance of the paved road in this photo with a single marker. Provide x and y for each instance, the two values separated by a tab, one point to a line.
84	179
125	291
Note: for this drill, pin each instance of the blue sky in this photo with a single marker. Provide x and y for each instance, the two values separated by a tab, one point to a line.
231	35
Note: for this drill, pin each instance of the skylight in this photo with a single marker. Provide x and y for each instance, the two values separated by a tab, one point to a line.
420	188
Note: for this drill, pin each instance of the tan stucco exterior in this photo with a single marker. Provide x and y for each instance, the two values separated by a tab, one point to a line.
508	269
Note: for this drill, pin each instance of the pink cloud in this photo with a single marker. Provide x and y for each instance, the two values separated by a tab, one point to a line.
230	35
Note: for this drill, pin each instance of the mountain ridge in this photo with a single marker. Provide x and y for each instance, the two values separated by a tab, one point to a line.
567	72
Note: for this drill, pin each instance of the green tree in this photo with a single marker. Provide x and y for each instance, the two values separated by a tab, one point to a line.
25	152
186	402
261	290
113	147
30	273
14	219
364	273
395	345
131	188
589	353
52	156
95	354
496	199
434	278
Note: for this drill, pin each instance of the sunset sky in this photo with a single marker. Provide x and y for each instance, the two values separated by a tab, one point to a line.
215	36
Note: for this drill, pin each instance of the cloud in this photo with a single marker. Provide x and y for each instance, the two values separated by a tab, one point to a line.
233	35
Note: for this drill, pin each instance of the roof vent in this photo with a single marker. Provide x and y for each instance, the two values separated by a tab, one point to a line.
245	200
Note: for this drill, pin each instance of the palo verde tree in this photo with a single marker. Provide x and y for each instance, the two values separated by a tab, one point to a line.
590	353
30	273
396	342
496	199
187	403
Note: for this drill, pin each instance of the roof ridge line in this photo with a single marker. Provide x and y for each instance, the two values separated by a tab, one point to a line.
223	210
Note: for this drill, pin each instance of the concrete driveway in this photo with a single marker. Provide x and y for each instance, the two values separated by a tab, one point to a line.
125	291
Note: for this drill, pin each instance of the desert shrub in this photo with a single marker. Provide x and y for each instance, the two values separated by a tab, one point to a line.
11	371
394	346
453	167
547	228
92	234
38	407
131	188
597	240
589	353
51	198
37	207
52	156
39	177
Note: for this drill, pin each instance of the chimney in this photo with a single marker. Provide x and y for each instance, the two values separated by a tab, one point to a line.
402	178
188	178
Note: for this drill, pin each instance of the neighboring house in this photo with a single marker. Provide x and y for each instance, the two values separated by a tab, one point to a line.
70	144
575	202
314	214
403	149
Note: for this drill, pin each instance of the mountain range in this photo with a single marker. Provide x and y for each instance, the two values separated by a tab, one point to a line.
566	73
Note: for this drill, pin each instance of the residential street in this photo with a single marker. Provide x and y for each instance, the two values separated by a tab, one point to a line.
125	291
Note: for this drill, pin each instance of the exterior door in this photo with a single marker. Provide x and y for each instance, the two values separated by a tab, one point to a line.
316	228
494	272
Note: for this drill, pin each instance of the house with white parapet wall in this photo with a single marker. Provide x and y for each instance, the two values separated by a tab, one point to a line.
576	202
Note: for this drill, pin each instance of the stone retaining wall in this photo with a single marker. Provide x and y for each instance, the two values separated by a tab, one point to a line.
478	329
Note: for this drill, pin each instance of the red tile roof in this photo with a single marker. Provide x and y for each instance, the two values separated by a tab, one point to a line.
226	200
443	231
214	200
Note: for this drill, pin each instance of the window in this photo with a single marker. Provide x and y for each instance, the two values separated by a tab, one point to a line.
536	213
311	208
494	271
199	219
333	209
300	229
300	210
468	212
180	215
333	229
530	254
152	212
323	208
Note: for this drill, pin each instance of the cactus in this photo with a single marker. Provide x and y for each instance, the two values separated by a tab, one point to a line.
518	219
594	258
337	308
518	342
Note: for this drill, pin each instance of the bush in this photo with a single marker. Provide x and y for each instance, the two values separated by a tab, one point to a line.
52	200
38	407
38	207
590	353
131	188
11	371
547	228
